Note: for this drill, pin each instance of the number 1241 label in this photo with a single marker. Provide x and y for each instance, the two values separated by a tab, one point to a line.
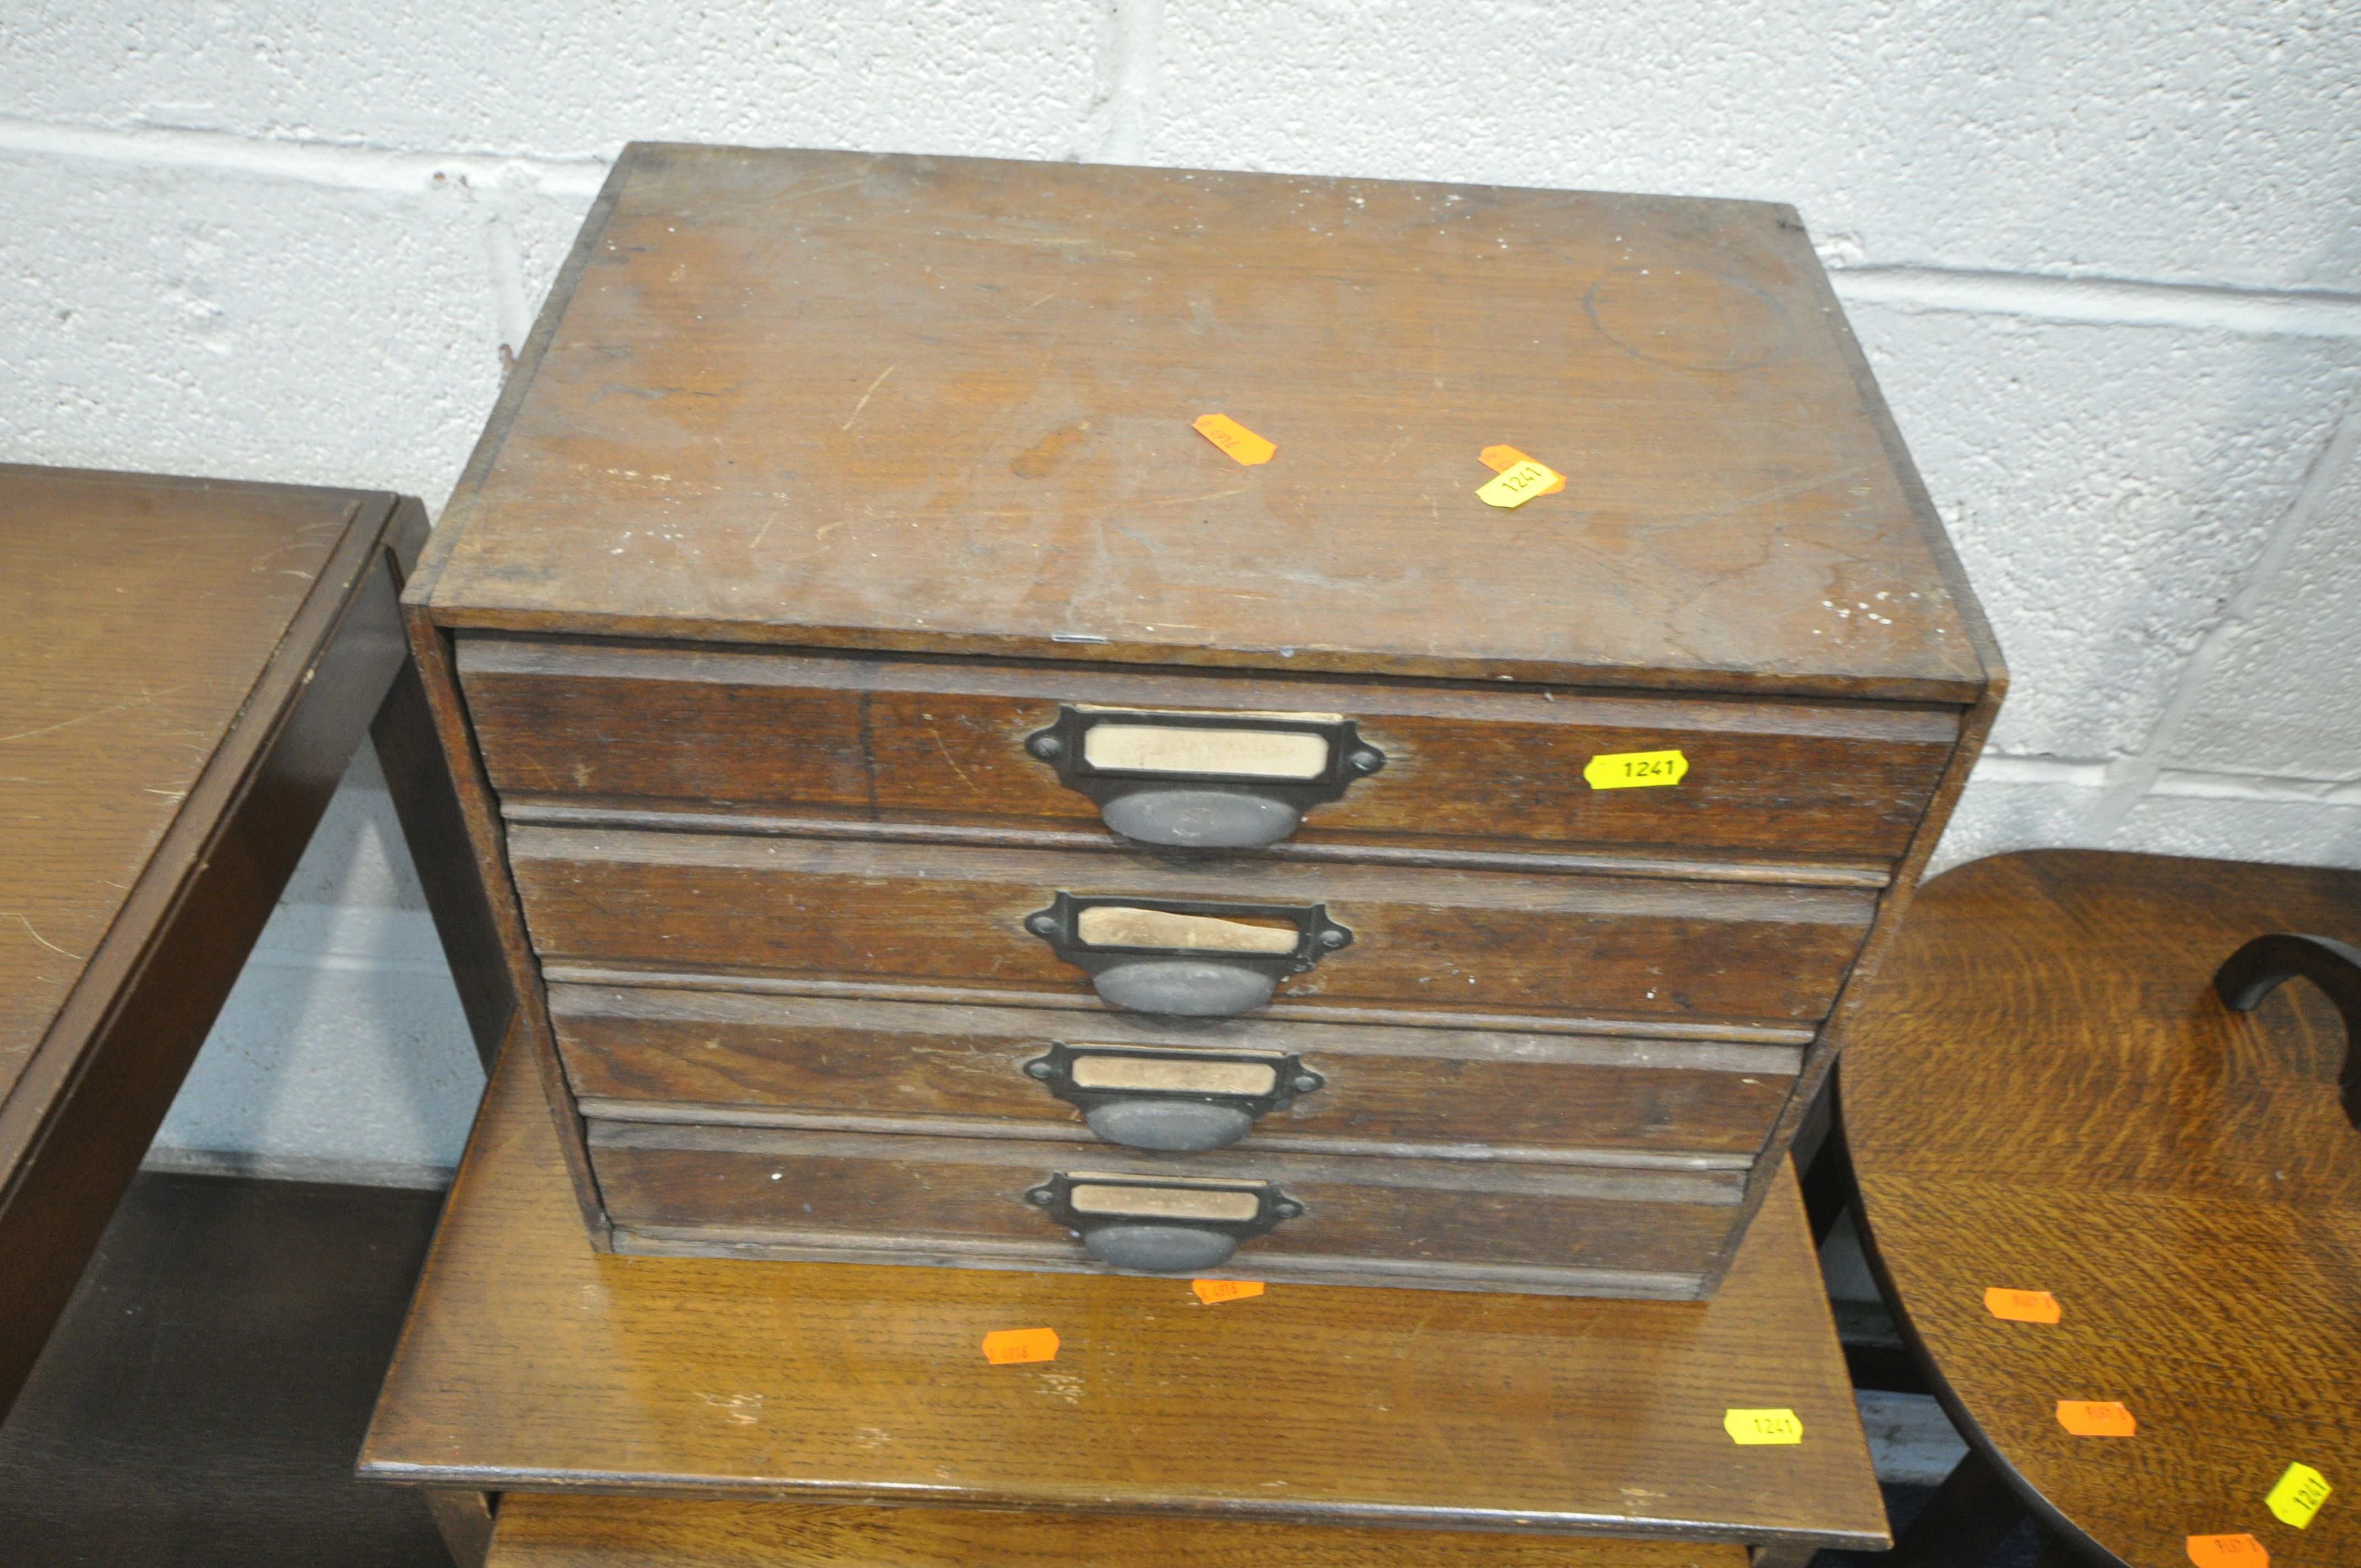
1636	770
1749	1428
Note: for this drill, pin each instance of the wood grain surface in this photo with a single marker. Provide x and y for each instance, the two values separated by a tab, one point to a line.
532	1363
1427	941
1473	770
2043	1093
961	1202
185	670
543	1532
840	429
137	614
637	1053
842	400
478	812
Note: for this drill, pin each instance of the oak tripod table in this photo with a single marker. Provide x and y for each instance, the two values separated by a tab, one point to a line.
2078	1075
186	667
565	1406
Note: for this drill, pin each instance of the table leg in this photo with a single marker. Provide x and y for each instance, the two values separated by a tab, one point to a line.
419	781
464	1518
1969	1514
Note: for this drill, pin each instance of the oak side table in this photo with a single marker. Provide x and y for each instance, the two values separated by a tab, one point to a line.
186	667
640	1409
2044	1090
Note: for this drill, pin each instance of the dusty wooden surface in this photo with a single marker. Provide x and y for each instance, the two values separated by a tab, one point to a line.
883	914
897	454
2043	1093
542	1531
532	1364
646	1053
902	742
838	399
1425	1224
135	614
185	669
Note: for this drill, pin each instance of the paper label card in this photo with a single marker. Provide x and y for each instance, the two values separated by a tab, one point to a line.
1234	439
1008	1348
1515	486
1751	1427
2022	1306
1636	770
2228	1552
2095	1418
1214	1291
2297	1496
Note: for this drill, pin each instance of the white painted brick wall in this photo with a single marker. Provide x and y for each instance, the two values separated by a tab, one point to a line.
2103	257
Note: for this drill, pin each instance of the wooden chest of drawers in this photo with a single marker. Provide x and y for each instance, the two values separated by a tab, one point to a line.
947	809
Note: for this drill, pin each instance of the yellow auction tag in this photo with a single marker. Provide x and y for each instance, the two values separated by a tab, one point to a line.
1214	1291
1517	484
1636	770
1753	1427
2297	1496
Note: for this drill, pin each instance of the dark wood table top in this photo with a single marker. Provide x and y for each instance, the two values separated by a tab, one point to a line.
2042	1091
532	1363
185	668
136	616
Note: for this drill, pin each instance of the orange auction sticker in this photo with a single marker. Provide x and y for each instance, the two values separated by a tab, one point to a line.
1234	438
2022	1306
1007	1347
2095	1418
2228	1552
1214	1291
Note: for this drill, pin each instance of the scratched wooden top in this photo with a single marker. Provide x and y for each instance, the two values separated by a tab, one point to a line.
842	400
531	1362
135	614
2043	1091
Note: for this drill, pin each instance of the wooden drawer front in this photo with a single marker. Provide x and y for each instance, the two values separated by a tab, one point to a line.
873	740
1498	943
573	1530
644	1054
963	1201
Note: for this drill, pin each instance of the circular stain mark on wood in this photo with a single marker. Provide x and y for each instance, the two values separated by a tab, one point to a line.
1699	321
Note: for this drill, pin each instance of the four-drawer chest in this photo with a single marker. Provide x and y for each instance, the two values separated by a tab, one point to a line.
1005	735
